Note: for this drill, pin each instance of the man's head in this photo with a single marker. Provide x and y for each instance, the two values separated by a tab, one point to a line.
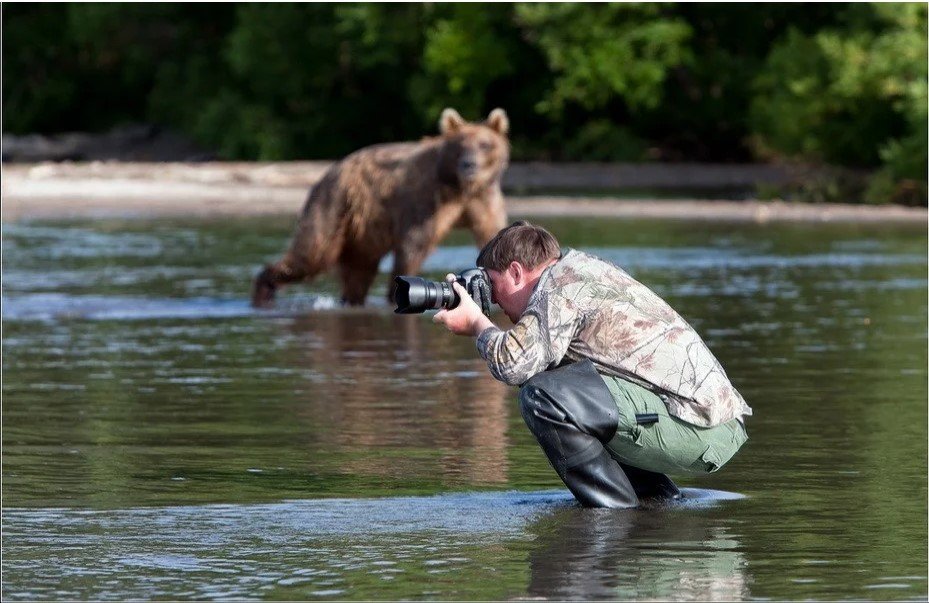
514	260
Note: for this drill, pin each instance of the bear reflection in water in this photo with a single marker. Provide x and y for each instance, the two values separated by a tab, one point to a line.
398	398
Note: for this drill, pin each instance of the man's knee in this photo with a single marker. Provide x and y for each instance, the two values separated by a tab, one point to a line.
575	394
547	389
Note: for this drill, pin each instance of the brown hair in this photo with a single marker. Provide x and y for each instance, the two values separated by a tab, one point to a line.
522	242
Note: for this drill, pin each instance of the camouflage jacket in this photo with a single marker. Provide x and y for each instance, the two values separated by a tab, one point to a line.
585	307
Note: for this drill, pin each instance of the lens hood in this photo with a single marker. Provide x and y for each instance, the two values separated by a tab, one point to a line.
415	295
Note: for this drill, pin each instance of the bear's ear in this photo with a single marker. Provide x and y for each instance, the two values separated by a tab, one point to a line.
497	120
450	122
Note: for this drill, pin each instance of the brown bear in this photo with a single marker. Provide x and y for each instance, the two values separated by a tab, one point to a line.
396	197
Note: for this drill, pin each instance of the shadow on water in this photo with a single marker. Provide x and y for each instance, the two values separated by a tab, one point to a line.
380	547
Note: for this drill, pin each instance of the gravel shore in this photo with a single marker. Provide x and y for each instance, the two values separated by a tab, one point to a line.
61	190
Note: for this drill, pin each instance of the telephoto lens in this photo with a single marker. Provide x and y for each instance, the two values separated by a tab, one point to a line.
415	295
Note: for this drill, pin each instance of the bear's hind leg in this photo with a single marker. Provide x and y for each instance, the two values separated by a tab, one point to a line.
407	261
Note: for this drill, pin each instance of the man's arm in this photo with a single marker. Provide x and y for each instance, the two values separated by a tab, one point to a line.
538	341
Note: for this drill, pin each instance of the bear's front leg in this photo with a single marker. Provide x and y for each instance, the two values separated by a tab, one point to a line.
407	262
485	218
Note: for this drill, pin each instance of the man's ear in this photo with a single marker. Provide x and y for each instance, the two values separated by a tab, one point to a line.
517	272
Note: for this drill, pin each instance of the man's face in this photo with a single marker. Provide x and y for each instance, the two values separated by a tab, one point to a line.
508	292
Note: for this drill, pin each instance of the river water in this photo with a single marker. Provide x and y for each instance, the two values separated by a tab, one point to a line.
163	440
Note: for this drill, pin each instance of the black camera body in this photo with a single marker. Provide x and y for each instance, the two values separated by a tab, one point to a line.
415	295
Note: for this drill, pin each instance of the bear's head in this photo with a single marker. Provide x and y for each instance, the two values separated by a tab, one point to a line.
474	154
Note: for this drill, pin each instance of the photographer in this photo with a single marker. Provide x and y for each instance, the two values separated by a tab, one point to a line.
616	387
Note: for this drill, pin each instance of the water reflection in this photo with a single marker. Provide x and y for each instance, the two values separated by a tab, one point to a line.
139	387
399	382
457	546
584	554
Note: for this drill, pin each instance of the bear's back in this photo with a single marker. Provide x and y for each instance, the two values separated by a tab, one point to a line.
380	169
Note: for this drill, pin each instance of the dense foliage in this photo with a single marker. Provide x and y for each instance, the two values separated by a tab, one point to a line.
843	84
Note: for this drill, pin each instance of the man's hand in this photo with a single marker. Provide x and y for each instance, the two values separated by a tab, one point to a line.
466	319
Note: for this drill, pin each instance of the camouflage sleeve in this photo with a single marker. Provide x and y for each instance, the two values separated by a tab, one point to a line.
536	343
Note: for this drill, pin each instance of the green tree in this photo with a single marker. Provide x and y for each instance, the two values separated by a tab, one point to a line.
602	51
854	95
464	53
841	84
92	66
312	77
609	64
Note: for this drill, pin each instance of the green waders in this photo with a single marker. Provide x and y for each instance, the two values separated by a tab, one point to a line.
667	445
587	426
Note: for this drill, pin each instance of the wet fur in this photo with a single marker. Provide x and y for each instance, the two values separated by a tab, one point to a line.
400	197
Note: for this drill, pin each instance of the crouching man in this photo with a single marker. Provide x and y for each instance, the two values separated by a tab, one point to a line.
616	387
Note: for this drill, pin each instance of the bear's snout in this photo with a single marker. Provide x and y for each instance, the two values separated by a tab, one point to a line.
467	165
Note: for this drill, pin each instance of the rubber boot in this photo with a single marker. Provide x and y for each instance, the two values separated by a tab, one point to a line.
648	484
572	415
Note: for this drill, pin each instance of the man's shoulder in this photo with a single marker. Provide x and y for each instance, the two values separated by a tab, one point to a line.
578	275
577	265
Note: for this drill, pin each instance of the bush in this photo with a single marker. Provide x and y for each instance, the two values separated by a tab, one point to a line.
854	96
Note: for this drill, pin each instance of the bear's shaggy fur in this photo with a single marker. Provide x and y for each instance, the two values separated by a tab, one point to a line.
399	197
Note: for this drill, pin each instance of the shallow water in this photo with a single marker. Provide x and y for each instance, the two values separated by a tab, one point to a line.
163	440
